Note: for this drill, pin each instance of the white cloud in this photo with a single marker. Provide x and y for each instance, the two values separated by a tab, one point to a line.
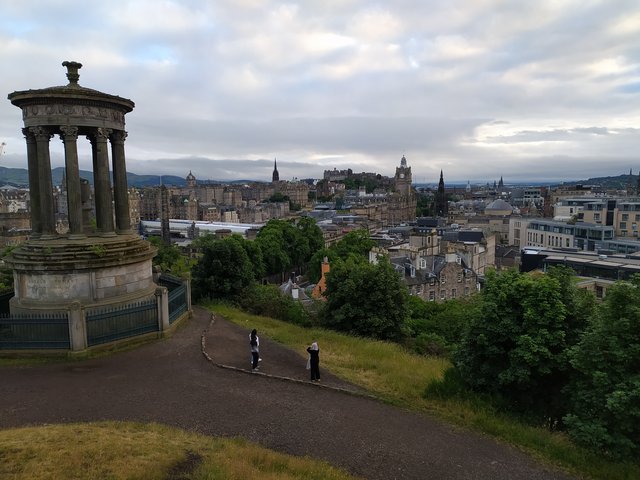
479	88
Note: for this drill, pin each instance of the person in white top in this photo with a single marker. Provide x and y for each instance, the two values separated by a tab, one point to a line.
254	343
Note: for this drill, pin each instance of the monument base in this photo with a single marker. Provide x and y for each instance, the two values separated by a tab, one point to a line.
96	272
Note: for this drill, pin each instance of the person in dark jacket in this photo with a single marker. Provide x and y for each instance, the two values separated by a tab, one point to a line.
314	361
254	343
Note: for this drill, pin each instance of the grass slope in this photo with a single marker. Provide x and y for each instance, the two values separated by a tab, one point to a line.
401	378
118	450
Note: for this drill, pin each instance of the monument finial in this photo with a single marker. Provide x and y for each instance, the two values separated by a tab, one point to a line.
72	72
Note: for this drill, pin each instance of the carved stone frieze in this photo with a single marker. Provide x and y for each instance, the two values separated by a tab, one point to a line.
86	114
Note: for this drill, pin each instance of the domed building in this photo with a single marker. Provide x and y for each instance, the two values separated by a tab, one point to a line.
498	208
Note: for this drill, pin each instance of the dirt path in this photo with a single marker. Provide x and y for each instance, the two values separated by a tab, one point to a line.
171	382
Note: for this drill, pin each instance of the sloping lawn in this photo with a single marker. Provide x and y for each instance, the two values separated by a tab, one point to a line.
401	378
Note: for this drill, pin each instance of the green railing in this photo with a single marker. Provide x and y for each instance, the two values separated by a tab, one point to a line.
177	296
107	325
34	332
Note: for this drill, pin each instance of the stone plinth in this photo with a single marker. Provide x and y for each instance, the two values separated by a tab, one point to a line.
94	271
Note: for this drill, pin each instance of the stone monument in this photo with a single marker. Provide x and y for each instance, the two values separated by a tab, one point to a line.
101	264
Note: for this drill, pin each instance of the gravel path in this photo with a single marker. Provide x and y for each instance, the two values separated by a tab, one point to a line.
172	382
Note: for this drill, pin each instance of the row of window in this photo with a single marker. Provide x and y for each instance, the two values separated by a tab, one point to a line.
417	290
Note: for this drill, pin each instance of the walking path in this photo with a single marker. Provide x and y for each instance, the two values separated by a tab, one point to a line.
172	382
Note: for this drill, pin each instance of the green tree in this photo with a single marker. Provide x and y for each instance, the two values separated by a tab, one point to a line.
357	242
312	232
516	349
605	393
288	244
170	259
365	299
223	270
271	239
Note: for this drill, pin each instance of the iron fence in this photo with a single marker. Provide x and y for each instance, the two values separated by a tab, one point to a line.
107	325
48	331
177	296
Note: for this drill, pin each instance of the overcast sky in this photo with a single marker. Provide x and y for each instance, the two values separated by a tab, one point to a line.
538	90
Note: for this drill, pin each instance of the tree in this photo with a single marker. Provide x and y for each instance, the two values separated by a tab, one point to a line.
170	259
517	348
357	242
223	270
289	245
365	299
605	393
271	239
355	245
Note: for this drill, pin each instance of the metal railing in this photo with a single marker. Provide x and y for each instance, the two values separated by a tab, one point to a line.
107	325
177	296
48	331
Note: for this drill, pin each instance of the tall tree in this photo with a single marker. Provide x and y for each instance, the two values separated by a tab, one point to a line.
605	406
366	299
223	270
517	347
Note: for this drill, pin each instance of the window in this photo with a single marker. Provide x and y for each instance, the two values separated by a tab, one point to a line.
443	278
453	293
466	291
625	217
459	277
432	295
443	294
623	225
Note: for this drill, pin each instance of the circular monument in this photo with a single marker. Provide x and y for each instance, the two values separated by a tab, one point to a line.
96	263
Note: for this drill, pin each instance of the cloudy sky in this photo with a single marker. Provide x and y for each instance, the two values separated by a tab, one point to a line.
539	90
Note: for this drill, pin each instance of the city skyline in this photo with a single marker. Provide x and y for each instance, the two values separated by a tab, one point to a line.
538	92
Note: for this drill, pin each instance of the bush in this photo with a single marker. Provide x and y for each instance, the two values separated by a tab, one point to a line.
269	301
430	344
450	386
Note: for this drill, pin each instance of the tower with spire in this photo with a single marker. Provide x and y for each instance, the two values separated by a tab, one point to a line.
441	206
275	176
191	180
403	178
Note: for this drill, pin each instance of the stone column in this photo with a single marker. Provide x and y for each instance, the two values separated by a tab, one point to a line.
120	190
101	183
69	137
34	183
47	215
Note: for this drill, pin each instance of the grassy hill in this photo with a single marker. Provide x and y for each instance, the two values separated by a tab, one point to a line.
19	177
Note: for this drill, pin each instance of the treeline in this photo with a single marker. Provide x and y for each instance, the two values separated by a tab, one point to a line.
534	345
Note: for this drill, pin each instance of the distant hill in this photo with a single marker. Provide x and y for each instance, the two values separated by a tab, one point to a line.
608	183
19	177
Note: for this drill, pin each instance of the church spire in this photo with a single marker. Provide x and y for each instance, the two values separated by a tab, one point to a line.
275	177
441	204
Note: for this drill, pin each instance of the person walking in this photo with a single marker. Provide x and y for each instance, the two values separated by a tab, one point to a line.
314	361
254	343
